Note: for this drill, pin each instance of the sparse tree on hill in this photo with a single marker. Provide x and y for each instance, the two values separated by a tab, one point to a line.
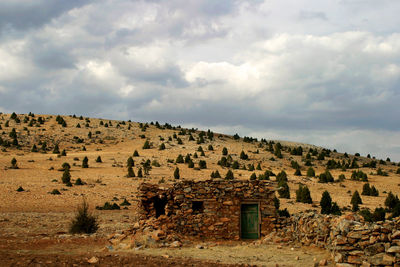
326	203
85	162
131	173
283	191
98	159
176	173
225	152
229	175
14	164
355	201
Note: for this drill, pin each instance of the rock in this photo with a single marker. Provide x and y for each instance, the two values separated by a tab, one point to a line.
345	265
323	262
354	259
93	260
200	247
175	244
297	258
394	249
338	258
382	259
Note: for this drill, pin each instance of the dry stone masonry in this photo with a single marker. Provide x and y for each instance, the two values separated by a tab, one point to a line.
351	241
206	209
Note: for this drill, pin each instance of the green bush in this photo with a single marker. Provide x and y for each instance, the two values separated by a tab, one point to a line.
303	194
55	192
146	145
202	164
98	159
130	162
282	176
66	177
225	152
79	182
14	164
136	153
83	222
325	177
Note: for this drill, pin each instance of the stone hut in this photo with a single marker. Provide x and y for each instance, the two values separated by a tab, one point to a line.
211	209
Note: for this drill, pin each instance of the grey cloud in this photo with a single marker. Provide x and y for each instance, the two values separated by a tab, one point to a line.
22	15
307	15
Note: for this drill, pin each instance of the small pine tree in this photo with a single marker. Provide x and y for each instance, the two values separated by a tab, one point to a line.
282	176
229	175
140	173
391	201
66	177
136	153
253	176
366	190
14	164
326	203
146	145
335	210
34	148
63	153
176	173
355	201
162	146
85	162
98	159
310	172
283	191
179	159
202	164
83	222
130	162
297	172
243	156
131	173
225	152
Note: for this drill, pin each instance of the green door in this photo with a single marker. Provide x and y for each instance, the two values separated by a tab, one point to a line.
249	221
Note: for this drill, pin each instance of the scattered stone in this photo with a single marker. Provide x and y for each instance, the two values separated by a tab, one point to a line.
93	260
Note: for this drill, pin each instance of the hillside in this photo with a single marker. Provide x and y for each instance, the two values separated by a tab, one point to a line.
114	142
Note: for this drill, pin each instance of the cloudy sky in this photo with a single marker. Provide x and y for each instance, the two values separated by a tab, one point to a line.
320	72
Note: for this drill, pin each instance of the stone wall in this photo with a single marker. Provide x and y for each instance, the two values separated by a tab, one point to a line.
351	241
218	214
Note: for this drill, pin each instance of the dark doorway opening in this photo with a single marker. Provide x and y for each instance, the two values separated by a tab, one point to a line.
159	205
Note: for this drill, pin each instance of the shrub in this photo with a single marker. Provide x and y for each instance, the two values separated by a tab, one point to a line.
83	222
381	172
55	192
140	173
34	148
179	159
355	201
190	164
130	162
210	148
253	176
98	159
108	206
335	210
131	173
359	175
311	172
229	175
79	182
63	153
202	164
366	190
297	172
284	213
14	164
243	155
176	173
56	149
162	146
225	152
282	176
325	177
391	201
374	192
20	189
85	163
283	191
65	166
136	153
66	177
303	194
146	145
235	165
276	203
341	177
